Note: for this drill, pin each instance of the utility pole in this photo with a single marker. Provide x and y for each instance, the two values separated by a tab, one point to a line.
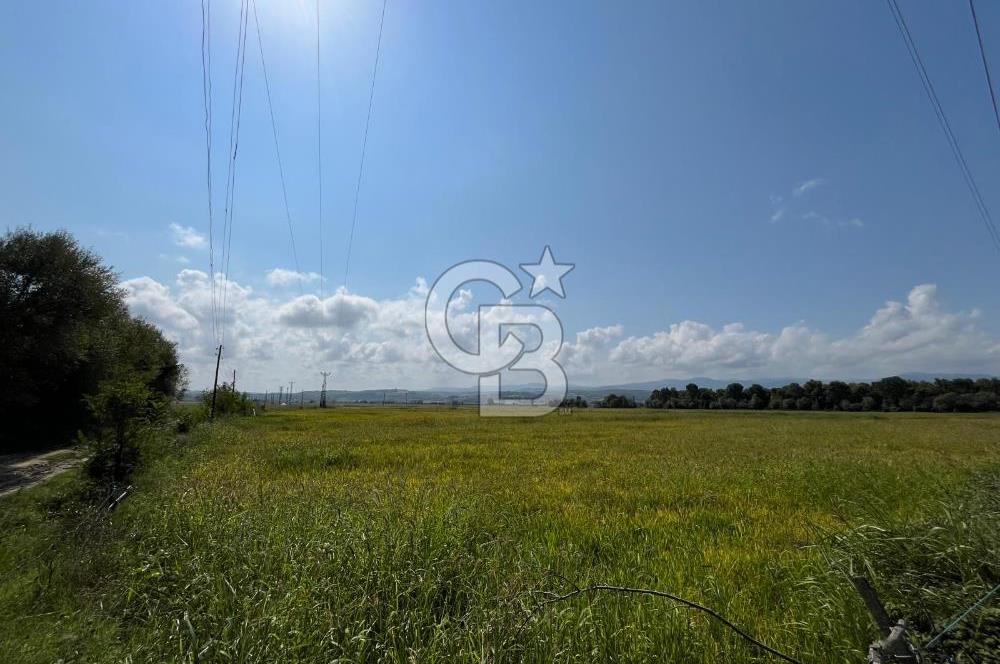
322	394
234	381
291	385
281	394
215	383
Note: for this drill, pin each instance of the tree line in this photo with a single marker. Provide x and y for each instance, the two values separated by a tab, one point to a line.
957	395
74	364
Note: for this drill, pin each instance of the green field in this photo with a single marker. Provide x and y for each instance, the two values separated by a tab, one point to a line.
433	535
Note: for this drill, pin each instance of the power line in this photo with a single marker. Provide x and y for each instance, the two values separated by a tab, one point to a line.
986	65
364	144
234	140
319	151
965	614
277	150
588	590
206	92
928	85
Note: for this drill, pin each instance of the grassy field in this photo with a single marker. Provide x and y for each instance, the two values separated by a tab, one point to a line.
433	535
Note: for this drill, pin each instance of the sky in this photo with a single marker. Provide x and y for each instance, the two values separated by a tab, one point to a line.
745	189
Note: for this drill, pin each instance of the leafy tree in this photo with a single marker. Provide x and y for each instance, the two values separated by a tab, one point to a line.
68	344
836	392
892	393
228	402
892	390
734	391
576	402
759	397
618	401
124	412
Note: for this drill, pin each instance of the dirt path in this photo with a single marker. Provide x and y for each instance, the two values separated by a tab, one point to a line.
19	471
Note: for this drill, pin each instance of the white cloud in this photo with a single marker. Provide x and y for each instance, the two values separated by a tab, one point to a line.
807	186
272	338
342	310
782	208
279	276
152	301
186	236
916	336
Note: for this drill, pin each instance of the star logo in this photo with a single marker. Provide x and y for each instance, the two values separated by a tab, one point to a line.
547	273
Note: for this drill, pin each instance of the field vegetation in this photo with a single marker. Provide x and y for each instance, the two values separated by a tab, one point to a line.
420	534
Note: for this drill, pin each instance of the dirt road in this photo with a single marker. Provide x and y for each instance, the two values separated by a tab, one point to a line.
18	471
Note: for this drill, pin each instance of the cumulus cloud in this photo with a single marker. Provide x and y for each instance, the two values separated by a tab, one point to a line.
186	236
369	342
272	338
918	335
342	310
279	276
151	300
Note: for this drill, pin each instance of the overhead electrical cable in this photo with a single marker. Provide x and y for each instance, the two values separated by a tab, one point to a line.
986	64
234	139
319	151
206	92
277	150
364	144
956	149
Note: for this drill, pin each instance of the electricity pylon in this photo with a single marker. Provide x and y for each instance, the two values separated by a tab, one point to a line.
322	394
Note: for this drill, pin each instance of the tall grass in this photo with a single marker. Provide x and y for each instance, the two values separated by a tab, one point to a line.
430	535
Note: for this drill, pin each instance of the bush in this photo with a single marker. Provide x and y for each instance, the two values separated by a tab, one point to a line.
126	413
186	418
227	402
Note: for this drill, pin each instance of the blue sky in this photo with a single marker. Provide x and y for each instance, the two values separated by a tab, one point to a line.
661	147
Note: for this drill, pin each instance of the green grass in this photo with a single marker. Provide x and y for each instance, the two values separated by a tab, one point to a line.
430	535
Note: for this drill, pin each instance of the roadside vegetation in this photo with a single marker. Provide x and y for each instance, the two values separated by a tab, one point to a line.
363	534
76	367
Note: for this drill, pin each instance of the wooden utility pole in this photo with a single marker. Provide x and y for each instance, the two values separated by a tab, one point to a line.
234	381
322	394
215	383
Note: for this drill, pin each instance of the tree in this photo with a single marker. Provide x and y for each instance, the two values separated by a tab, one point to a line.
892	390
759	397
618	401
836	392
66	337
54	298
228	402
123	412
893	393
